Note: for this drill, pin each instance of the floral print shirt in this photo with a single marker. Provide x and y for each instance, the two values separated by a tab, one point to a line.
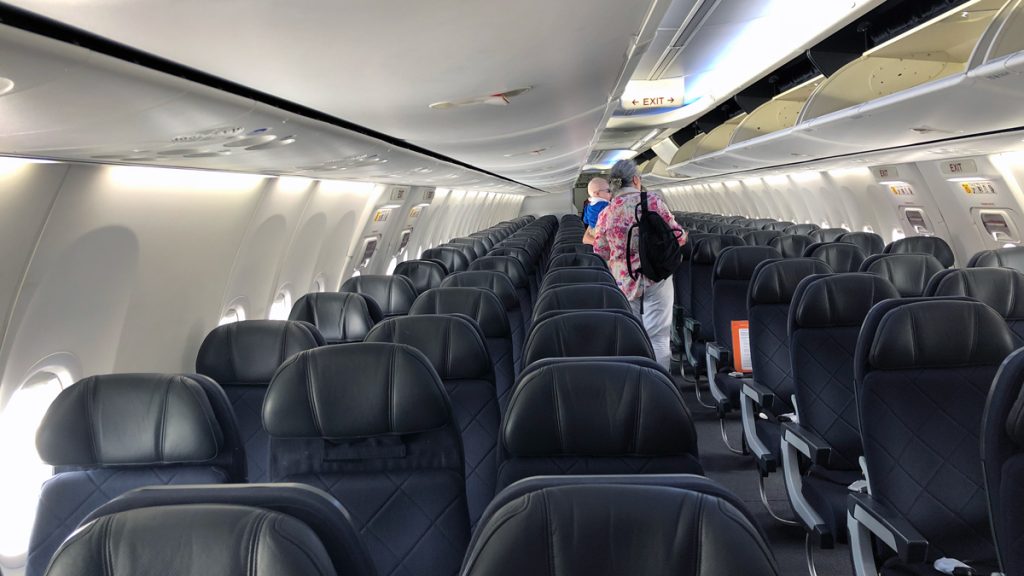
610	237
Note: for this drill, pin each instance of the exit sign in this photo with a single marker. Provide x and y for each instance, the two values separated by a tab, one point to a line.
641	94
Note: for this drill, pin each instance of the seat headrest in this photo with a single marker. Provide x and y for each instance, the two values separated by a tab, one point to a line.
909	273
340	317
249	351
839	256
933	245
424	274
760	237
520	254
454	259
481	305
453	344
393	294
577	276
792	245
938	334
355	391
840	300
580	297
649	417
1015	419
479	249
507	265
707	249
801	229
577	260
586	333
1002	289
331	522
692	240
828	234
1012	257
869	242
672	524
775	282
495	282
739	262
130	419
571	249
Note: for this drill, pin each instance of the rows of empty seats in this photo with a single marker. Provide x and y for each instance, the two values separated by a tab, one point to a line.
870	375
483	408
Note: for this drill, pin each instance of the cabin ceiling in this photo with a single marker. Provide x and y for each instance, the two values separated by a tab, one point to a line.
381	63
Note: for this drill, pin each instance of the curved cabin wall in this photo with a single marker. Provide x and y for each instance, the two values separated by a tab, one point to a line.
124	268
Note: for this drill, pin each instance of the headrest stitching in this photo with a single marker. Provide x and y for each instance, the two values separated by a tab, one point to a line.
447	347
634	441
282	345
307	360
975	333
91	383
913	339
391	389
229	335
558	413
163	421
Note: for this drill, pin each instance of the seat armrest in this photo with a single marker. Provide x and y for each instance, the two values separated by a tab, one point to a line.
807	443
761	395
719	353
692	327
888	527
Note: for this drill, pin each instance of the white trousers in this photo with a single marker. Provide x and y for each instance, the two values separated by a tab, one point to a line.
657	318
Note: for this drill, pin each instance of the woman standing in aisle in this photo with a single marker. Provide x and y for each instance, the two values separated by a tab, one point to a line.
610	243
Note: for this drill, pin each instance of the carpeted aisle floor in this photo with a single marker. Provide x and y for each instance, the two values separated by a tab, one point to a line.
739	474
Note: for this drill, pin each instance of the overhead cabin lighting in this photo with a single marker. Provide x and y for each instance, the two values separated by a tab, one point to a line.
893	183
643	141
963	179
962	9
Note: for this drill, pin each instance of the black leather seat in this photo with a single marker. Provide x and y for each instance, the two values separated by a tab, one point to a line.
826	235
792	245
733	271
468	250
572	297
587	333
258	530
933	245
454	259
760	237
801	229
909	273
825	318
577	260
424	274
1002	452
649	431
392	294
698	328
501	286
458	352
112	433
766	400
485	238
567	276
1012	257
1002	289
371	425
242	358
869	242
614	525
840	256
340	317
484	308
923	370
518	276
572	248
681	301
529	260
779	226
479	249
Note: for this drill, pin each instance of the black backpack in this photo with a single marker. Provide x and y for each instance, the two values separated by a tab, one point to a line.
659	249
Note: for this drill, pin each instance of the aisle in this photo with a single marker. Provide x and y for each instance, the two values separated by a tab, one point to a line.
738	473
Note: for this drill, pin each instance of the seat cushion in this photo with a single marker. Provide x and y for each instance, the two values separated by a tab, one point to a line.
826	491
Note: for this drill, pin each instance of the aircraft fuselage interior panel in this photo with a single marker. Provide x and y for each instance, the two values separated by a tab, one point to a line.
574	288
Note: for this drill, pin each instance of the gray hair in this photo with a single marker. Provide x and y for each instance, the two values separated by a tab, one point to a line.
622	174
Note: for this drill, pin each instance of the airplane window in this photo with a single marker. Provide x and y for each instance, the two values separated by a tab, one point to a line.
19	492
825	224
234	314
282	305
897	234
319	285
845	226
868	229
355	273
392	265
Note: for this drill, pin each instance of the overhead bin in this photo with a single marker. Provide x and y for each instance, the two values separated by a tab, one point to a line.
719	138
777	114
958	75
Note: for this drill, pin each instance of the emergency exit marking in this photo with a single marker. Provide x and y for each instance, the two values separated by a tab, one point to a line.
902	190
381	215
398	194
415	212
978	188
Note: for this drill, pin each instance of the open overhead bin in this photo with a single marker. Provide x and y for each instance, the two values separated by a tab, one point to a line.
779	113
956	75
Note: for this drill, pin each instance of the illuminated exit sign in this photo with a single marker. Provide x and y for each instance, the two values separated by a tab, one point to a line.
641	94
